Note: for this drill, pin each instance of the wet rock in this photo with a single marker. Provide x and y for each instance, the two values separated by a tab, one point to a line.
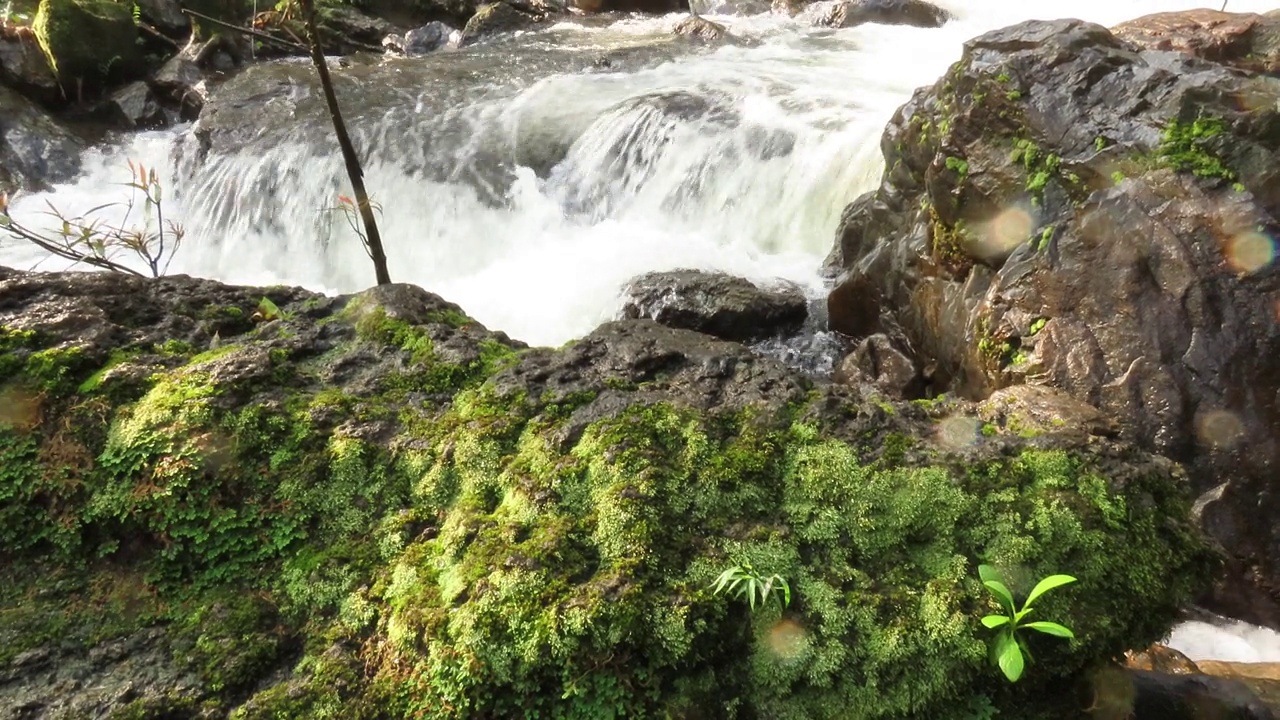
718	304
134	106
851	13
24	68
877	362
494	18
699	28
1240	40
1066	209
1162	659
1144	695
181	82
420	41
1263	678
35	148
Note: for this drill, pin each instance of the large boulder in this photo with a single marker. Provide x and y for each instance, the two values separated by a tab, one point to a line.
35	149
88	42
364	506
1242	40
719	304
1066	208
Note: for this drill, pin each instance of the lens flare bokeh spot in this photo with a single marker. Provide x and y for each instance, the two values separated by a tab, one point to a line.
1250	252
1220	429
958	432
788	639
1004	232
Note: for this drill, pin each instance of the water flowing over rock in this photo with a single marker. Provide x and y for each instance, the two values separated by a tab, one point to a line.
1065	208
727	307
699	28
35	148
298	504
493	18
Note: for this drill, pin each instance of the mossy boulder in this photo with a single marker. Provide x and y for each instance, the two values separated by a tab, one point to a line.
370	506
89	41
1066	207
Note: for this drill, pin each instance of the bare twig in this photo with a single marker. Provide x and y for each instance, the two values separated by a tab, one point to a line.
372	239
246	31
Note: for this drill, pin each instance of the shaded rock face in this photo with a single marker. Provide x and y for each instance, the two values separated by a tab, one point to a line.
717	304
1145	695
308	513
134	106
24	68
1064	208
879	362
35	149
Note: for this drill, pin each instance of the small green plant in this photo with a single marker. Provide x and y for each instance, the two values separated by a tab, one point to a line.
745	581
958	166
1188	147
1099	143
1009	648
100	243
267	311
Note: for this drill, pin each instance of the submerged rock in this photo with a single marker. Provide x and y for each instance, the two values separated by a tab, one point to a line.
699	28
1067	209
372	506
728	307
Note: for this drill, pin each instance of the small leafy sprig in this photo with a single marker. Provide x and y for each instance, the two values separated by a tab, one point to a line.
1009	648
744	581
96	242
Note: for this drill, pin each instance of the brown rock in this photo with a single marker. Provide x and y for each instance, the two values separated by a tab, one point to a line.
699	28
1162	659
1242	40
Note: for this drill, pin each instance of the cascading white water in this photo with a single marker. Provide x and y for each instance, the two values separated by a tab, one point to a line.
739	159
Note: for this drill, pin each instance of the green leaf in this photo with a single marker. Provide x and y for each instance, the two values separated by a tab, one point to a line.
1048	584
724	579
1010	659
786	593
1002	594
995	621
268	309
1051	628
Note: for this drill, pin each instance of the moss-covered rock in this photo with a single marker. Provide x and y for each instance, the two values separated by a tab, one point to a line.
373	507
88	41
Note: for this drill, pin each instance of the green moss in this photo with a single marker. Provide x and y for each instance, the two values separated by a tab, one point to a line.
958	166
1195	147
1036	326
91	40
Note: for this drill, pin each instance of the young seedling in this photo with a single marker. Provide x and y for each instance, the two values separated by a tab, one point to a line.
1009	648
745	581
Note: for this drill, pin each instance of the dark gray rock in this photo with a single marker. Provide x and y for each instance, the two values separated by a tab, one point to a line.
851	13
134	106
166	16
24	68
181	82
718	304
35	148
1065	208
420	41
